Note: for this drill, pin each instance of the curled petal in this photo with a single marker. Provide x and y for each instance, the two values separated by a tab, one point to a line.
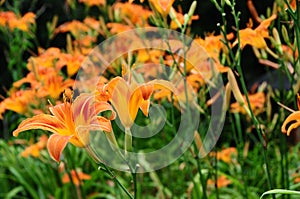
292	117
298	101
104	106
44	122
56	144
105	124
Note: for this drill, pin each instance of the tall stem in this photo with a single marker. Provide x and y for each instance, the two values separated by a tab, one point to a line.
244	88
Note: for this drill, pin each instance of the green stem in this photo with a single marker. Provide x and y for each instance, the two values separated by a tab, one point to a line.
128	140
134	178
116	180
254	119
202	180
297	28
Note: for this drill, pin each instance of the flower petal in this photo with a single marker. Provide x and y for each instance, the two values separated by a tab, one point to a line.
56	144
292	117
44	122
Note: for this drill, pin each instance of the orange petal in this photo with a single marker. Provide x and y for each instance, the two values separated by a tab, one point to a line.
63	112
292	117
104	106
44	122
56	144
105	124
145	107
135	101
298	101
120	95
292	127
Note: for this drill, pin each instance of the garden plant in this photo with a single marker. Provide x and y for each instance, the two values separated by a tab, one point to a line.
150	99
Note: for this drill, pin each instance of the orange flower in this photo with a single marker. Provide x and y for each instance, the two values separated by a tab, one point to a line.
226	154
20	101
12	21
47	82
293	5
136	14
69	122
256	37
213	44
77	177
257	102
162	6
222	181
293	119
34	149
91	3
116	28
77	28
127	99
46	59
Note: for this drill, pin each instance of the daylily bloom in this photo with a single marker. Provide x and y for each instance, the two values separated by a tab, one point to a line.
46	81
77	177
91	3
116	28
162	6
46	58
256	37
227	154
293	119
12	21
213	44
77	28
19	101
128	99
222	181
257	102
34	149
135	14
70	122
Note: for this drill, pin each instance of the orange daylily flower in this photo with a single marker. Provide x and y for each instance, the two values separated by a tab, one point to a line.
162	6
46	58
77	177
12	21
77	28
149	55
257	102
70	122
222	181
226	155
46	81
116	28
213	44
128	99
19	101
91	3
34	149
293	5
256	37
293	119
136	14
93	24
73	61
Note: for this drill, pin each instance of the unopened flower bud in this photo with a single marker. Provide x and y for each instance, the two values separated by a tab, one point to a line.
235	88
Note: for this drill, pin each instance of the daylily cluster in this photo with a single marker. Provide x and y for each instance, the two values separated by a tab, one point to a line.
11	21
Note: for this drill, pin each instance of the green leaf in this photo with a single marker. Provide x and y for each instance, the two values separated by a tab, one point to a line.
14	192
280	191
